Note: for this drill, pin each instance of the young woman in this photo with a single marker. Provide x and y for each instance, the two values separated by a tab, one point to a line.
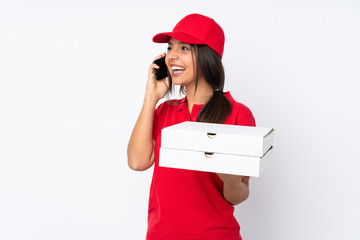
187	204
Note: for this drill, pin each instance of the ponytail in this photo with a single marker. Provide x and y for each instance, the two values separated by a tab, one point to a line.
216	110
209	64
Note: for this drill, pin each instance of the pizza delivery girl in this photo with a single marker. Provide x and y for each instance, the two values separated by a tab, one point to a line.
186	204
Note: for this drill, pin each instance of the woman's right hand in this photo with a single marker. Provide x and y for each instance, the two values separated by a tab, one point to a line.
156	89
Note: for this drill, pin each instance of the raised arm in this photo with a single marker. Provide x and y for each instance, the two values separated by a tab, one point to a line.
140	149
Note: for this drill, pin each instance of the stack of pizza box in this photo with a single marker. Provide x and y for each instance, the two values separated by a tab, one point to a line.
220	148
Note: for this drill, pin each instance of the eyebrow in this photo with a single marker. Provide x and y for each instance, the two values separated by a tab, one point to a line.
179	43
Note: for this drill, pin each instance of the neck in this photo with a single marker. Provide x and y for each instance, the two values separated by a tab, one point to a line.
203	92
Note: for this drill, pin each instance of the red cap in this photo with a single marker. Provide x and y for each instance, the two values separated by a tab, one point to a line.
196	29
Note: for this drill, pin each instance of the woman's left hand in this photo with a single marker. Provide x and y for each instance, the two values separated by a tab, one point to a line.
236	187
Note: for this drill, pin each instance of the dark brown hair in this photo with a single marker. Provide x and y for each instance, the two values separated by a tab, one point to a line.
208	64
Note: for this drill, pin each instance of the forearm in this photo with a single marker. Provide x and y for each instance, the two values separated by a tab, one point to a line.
140	150
140	147
236	188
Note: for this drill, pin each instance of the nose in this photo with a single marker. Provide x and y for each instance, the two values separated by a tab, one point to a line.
172	55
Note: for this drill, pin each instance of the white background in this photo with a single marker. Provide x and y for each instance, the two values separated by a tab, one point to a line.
72	80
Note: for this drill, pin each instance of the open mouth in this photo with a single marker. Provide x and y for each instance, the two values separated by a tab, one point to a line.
177	70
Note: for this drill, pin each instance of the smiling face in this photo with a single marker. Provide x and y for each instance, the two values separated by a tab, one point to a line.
180	61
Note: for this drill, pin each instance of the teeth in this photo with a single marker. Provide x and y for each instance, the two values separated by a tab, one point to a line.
177	68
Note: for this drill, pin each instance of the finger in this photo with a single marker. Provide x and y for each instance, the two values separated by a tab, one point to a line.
160	56
152	67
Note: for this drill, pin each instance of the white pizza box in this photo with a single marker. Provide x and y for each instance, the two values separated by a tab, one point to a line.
218	138
214	162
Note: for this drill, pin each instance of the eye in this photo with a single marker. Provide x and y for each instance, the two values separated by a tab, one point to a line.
185	48
168	48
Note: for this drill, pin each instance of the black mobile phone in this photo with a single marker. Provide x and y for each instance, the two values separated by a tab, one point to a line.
162	72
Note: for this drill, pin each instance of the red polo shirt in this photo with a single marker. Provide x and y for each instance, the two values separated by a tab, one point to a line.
186	204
